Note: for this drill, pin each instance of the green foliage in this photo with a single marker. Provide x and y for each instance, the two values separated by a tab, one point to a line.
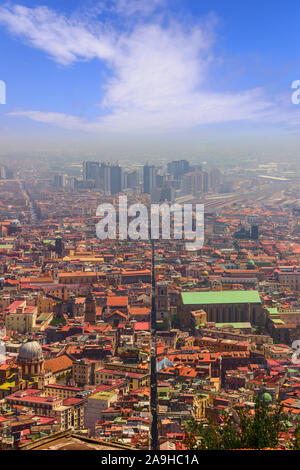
58	321
295	445
245	431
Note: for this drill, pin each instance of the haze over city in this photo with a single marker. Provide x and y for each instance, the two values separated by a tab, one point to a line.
137	79
149	230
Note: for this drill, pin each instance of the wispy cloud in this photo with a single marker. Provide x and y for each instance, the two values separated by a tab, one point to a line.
140	7
65	40
158	69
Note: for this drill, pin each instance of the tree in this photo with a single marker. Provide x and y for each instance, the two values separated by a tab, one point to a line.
258	431
211	436
295	444
58	321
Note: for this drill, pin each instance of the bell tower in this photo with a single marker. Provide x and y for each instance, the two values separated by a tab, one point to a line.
90	309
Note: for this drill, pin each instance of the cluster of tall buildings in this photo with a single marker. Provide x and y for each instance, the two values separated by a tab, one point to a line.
76	313
201	181
180	179
111	179
103	176
177	179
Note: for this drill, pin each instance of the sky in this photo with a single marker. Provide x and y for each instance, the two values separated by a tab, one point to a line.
149	79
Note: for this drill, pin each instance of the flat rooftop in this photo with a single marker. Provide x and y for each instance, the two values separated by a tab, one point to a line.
221	297
237	325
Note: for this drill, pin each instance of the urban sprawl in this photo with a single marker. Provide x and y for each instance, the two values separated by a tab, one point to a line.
76	312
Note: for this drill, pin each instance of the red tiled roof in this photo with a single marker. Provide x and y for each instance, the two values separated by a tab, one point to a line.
58	364
116	301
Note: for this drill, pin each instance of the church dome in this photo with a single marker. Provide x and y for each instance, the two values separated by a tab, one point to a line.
266	397
31	351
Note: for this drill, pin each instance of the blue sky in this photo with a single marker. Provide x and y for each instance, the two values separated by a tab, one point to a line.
183	73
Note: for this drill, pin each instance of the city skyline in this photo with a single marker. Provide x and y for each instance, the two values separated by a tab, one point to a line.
149	228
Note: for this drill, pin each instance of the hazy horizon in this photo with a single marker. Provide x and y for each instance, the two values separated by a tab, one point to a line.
161	80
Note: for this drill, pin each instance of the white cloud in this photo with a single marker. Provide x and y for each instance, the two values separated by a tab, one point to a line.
60	119
158	73
140	7
65	40
200	109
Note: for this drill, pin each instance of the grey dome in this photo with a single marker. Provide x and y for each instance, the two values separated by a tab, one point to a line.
31	351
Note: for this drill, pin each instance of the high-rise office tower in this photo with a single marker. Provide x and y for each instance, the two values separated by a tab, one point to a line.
215	178
105	178
178	168
90	171
162	194
192	182
149	177
59	181
130	180
2	172
160	179
115	179
206	186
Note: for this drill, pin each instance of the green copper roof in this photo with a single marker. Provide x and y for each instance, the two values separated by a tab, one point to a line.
234	325
221	297
272	310
266	397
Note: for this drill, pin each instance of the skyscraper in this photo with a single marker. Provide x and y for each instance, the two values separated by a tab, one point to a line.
105	177
205	179
149	177
59	180
178	168
215	178
115	179
90	170
130	180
